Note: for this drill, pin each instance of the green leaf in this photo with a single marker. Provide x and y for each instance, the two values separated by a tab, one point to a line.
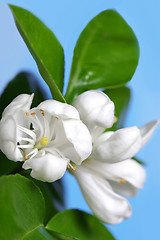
44	47
105	56
78	224
20	84
22	207
121	99
39	233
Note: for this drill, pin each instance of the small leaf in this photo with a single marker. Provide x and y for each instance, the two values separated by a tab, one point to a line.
105	56
78	224
22	207
44	47
121	99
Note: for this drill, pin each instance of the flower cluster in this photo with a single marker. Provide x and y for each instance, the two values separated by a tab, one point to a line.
55	135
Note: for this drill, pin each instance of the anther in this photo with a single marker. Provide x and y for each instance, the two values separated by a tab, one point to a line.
26	157
57	118
33	113
43	114
27	114
122	181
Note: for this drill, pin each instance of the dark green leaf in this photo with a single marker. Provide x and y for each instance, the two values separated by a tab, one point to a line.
78	224
22	207
7	166
44	47
105	56
121	98
39	233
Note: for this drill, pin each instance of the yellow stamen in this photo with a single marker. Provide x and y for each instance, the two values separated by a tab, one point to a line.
27	114
44	141
122	181
41	110
26	157
57	118
43	114
33	113
116	119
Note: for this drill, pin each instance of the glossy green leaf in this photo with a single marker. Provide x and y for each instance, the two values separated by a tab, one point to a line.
22	207
44	47
39	233
105	56
121	99
52	193
78	224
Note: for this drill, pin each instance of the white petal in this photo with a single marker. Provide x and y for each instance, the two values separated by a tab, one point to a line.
22	102
95	109
8	139
126	189
62	110
48	168
80	140
129	169
122	144
108	206
147	131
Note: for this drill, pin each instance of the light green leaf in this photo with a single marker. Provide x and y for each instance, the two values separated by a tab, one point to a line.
44	47
22	207
78	224
105	56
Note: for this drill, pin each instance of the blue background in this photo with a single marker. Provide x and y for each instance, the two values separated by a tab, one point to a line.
67	18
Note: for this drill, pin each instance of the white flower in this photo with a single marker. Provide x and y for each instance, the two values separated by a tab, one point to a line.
109	170
46	138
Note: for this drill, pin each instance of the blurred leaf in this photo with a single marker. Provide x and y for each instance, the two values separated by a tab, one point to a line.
20	84
22	207
78	224
44	47
121	99
39	234
105	56
7	166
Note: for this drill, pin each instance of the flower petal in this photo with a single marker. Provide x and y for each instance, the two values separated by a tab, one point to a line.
58	109
125	189
47	168
147	131
8	139
108	206
129	170
95	109
79	145
22	102
122	144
